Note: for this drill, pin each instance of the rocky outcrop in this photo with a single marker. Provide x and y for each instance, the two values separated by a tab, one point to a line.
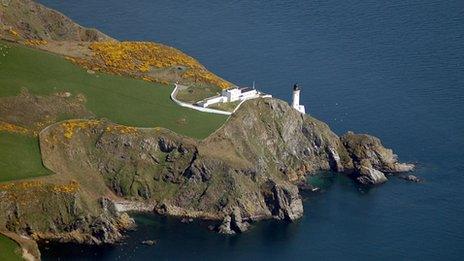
63	213
246	171
371	160
283	200
233	223
370	176
175	173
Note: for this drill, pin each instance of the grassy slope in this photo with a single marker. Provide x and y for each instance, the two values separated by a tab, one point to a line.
19	157
121	100
9	250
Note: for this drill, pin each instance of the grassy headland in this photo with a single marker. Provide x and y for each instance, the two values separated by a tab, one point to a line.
120	99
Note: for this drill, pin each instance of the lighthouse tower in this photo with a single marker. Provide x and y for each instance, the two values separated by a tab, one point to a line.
296	99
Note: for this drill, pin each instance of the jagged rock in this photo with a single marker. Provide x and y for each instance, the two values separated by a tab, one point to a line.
371	176
289	202
225	227
108	206
238	224
198	173
104	231
335	160
283	201
233	223
166	145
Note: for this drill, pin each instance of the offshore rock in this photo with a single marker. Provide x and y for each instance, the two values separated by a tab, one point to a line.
371	159
150	242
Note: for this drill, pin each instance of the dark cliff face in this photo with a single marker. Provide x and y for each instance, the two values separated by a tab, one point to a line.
249	169
61	212
274	137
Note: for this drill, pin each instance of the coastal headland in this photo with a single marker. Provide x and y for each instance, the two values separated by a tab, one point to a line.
92	121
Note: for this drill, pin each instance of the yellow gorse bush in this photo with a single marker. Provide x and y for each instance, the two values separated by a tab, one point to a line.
71	187
8	127
140	58
141	55
121	129
69	127
27	193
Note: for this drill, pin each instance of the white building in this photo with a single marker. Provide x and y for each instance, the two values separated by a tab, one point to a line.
231	95
296	99
212	100
239	94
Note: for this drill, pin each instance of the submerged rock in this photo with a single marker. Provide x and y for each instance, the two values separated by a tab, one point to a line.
150	242
411	178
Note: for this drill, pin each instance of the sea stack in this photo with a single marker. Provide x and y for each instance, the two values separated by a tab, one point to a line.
296	99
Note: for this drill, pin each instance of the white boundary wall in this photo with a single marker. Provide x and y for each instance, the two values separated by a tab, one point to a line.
191	106
198	108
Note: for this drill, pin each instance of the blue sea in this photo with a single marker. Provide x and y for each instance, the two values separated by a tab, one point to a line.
390	68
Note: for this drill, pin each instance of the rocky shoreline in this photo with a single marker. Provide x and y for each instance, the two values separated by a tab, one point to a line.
248	170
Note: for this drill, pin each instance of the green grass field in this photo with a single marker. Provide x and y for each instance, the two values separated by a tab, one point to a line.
9	250
122	100
20	157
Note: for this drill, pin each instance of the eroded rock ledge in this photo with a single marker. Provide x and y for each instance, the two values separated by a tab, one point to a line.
247	170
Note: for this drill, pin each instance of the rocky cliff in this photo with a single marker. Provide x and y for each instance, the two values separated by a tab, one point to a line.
63	212
247	170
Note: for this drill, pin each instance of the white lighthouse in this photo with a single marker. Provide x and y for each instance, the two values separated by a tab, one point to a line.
296	99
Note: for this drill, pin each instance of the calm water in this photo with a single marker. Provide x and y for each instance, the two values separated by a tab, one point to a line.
394	69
